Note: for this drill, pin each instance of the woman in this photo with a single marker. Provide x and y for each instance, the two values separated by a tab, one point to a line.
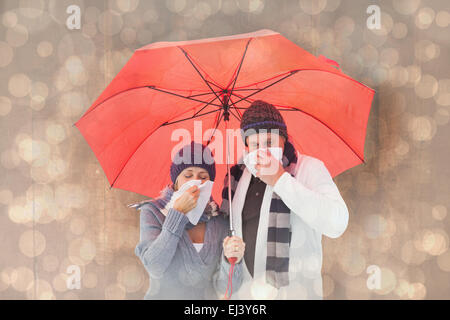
186	261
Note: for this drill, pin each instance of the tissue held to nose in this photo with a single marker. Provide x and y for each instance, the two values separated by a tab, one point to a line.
192	197
251	159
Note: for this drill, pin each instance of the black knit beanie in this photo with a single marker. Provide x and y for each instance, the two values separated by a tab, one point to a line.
262	115
193	155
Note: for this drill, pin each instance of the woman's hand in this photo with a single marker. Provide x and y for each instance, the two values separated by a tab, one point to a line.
233	247
188	200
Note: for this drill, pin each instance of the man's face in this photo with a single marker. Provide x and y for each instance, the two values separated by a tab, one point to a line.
264	140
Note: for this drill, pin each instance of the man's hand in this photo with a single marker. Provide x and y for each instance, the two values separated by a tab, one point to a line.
269	169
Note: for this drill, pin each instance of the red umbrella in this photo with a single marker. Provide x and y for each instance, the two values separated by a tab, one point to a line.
168	85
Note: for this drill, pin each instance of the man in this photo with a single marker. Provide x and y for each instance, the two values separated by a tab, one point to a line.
281	211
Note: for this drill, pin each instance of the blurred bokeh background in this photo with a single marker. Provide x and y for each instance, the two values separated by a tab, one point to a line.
57	208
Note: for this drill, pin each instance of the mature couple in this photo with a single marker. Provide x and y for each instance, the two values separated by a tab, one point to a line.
279	216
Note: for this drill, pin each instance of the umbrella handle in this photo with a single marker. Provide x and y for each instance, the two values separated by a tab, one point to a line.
232	260
228	294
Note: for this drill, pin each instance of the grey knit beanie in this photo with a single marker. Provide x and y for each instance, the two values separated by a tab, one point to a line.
193	155
262	115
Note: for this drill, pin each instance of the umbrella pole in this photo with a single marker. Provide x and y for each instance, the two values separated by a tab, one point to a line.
227	147
231	260
226	118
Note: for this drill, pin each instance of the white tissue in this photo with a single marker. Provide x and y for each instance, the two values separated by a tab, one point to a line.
250	158
203	199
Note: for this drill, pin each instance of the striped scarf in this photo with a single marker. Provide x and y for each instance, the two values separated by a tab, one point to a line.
279	230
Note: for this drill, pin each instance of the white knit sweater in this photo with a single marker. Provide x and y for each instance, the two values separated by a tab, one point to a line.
317	209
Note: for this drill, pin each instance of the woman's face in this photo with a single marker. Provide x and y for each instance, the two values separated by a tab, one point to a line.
191	173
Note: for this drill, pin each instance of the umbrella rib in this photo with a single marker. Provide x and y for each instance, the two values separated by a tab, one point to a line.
273	83
100	103
246	89
140	87
204	107
212	83
200	94
341	75
232	113
196	69
189	118
237	110
184	97
240	64
215	128
245	99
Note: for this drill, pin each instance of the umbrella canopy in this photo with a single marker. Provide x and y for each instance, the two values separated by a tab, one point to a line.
169	91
